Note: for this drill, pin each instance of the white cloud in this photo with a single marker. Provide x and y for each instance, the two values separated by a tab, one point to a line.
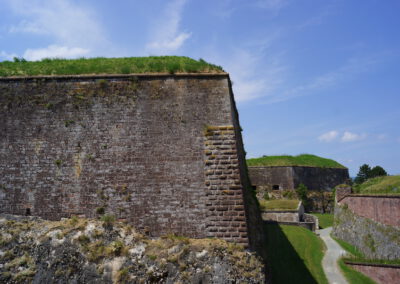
7	56
167	37
55	51
328	136
71	27
351	137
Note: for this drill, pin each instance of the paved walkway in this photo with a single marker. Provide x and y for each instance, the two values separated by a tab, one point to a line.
333	253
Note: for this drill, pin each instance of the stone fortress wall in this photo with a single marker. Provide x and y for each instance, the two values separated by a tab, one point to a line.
369	222
163	152
284	177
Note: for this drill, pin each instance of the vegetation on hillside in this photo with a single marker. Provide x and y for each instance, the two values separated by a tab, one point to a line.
295	255
366	172
279	204
379	185
306	160
101	65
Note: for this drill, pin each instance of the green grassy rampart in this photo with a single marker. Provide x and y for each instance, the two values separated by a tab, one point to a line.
101	65
379	185
306	160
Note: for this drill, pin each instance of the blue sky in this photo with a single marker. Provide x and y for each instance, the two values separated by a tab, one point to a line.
320	77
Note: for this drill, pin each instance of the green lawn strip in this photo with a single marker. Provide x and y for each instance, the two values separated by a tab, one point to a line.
356	256
325	220
300	160
279	204
349	248
295	255
101	65
379	185
353	276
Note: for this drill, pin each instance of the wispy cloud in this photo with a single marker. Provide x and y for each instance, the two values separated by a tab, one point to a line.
167	35
382	137
346	136
351	69
7	56
329	136
55	51
272	5
250	80
73	28
351	137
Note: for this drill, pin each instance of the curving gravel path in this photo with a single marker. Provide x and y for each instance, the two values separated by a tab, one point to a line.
333	253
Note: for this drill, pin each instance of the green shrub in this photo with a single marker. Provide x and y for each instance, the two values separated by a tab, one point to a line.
108	221
100	210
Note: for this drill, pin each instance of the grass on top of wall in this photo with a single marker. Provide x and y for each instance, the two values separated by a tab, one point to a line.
307	160
379	185
101	65
279	204
325	220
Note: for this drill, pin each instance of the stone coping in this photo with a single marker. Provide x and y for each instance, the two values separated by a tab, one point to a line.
397	266
374	195
114	76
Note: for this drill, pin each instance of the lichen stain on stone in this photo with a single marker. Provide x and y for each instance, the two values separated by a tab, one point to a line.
78	164
38	146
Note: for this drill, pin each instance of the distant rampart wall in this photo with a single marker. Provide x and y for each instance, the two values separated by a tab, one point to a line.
291	177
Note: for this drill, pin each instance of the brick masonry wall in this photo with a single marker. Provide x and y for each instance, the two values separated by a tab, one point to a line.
380	208
382	274
132	146
226	215
291	177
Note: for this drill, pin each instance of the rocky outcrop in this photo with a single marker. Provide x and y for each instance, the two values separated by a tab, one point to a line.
104	251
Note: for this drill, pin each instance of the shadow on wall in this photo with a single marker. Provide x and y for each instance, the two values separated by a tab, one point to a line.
284	263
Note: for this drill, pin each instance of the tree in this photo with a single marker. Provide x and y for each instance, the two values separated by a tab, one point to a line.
363	174
366	172
377	172
302	191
